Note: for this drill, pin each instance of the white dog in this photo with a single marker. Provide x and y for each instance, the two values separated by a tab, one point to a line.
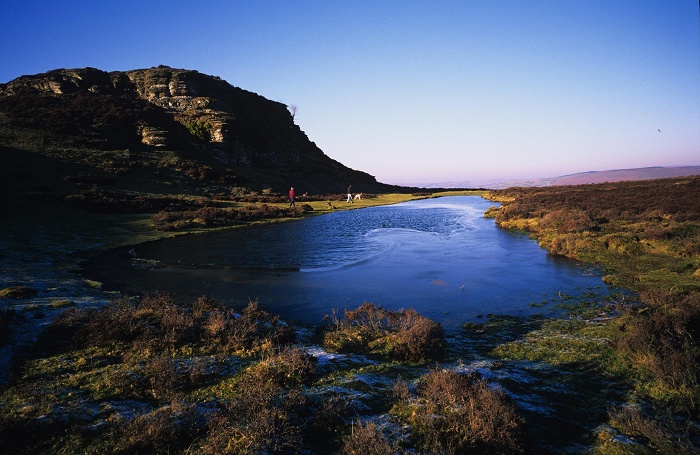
358	196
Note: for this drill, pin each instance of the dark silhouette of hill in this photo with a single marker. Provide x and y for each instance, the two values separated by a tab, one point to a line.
162	130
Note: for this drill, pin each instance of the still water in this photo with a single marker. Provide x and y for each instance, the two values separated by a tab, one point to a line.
439	256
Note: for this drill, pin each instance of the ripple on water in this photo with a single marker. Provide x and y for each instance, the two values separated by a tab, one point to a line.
392	256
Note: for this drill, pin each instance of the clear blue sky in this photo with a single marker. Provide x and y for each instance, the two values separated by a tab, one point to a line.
415	91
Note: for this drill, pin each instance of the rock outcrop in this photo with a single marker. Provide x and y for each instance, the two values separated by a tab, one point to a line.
201	118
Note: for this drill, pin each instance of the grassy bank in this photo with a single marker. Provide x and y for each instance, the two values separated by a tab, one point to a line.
646	236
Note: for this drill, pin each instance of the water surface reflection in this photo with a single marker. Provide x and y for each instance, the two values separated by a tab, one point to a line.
439	256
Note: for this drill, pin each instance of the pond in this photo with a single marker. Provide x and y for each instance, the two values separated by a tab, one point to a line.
439	256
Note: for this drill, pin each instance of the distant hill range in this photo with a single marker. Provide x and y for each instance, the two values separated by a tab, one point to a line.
583	178
162	129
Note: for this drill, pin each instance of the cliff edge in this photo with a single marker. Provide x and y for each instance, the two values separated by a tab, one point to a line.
169	126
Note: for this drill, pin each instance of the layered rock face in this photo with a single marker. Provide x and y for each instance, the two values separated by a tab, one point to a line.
185	111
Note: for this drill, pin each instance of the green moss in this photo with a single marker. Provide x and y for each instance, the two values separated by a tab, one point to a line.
17	292
63	303
568	341
200	130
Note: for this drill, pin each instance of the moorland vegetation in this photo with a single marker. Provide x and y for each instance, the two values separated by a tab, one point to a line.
646	237
206	379
146	375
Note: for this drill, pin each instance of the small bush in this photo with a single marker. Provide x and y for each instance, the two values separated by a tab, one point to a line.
199	129
155	324
212	217
401	335
663	340
270	413
162	377
662	435
457	413
367	439
290	368
328	417
262	419
251	330
103	201
162	431
565	221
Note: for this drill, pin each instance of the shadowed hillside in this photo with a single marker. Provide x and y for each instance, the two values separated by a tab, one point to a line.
162	130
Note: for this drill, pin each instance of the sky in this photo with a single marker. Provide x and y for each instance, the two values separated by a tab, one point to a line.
415	92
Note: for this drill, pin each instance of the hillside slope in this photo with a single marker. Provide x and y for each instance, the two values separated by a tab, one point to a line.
163	130
621	175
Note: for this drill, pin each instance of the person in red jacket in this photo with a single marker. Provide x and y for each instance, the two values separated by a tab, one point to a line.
291	197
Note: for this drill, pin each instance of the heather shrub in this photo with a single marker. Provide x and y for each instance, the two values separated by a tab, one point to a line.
663	341
103	201
114	323
291	367
675	199
367	439
270	412
566	220
458	413
150	324
162	377
154	324
156	379
400	335
662	434
327	421
263	418
162	431
212	217
202	217
623	244
251	330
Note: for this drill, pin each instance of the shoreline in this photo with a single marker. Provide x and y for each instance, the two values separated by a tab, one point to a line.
48	260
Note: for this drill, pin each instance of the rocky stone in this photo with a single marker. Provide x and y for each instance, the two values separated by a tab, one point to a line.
200	117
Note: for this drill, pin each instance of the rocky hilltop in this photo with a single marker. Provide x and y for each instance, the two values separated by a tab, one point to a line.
166	126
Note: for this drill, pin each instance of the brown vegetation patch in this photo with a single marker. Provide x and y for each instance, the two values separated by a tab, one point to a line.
454	413
661	433
368	439
212	216
155	324
402	335
664	340
676	199
103	201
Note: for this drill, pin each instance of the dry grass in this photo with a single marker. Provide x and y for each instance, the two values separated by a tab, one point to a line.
367	439
402	335
662	341
454	413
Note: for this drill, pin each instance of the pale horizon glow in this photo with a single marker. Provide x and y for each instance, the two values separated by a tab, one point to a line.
415	92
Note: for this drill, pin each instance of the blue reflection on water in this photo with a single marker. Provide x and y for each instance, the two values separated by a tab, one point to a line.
439	256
